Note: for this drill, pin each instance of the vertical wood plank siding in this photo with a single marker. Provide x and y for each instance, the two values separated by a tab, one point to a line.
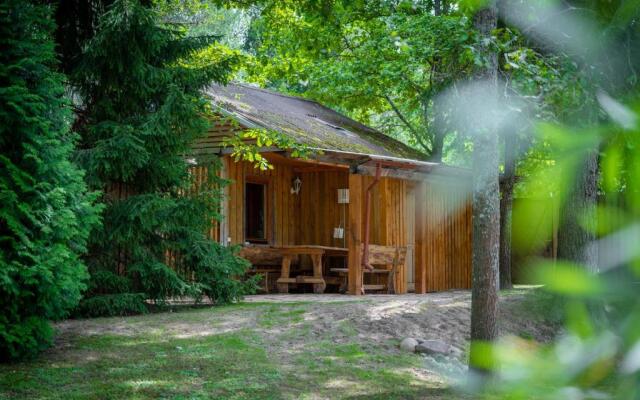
443	237
442	258
285	206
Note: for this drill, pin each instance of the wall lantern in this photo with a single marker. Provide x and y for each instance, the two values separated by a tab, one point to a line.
296	185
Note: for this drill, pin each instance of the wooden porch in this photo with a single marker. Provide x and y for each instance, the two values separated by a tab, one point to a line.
298	247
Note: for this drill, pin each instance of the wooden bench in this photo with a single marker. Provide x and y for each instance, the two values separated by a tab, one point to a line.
266	261
386	260
266	258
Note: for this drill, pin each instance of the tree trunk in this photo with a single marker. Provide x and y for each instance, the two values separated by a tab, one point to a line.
486	210
439	130
574	242
437	142
506	205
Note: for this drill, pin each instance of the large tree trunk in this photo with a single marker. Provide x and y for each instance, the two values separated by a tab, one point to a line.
486	209
439	131
506	206
575	242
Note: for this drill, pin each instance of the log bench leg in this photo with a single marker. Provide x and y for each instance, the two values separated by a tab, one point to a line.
318	288
283	284
283	288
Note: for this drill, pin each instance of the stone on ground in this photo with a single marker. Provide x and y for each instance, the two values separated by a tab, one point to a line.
409	344
432	347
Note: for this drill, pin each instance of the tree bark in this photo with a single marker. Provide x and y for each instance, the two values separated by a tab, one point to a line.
439	131
486	208
437	145
506	206
574	242
437	142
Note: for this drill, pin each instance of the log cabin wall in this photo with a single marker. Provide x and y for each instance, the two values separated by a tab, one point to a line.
319	208
200	178
443	237
442	232
284	207
221	127
388	222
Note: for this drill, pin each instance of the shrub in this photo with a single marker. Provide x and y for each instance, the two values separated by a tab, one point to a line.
110	305
47	211
143	108
219	272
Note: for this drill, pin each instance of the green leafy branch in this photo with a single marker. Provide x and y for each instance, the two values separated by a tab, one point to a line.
247	145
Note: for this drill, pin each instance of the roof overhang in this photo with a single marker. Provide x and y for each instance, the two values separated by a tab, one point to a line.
366	164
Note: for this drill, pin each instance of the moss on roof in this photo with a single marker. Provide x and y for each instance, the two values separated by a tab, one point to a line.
306	121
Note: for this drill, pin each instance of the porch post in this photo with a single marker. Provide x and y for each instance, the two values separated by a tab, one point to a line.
420	256
355	234
224	207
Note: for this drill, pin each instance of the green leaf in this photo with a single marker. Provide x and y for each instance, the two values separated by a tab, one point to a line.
568	279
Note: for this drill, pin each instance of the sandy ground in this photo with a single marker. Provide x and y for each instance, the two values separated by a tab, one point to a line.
375	319
445	315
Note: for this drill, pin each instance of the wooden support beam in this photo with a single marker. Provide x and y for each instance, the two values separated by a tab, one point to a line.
224	207
420	256
354	237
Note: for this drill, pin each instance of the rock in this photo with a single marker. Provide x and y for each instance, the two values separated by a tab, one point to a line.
456	352
409	344
433	347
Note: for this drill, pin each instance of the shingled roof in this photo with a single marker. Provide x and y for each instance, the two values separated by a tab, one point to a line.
305	121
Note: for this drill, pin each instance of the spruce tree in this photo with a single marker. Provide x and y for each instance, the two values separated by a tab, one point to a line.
142	108
46	210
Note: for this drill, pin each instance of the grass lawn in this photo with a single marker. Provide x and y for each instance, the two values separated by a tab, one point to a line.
245	351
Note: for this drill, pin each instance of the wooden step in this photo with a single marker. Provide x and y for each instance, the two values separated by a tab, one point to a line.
308	279
374	287
377	271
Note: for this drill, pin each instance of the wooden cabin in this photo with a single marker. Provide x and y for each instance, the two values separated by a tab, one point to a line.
314	211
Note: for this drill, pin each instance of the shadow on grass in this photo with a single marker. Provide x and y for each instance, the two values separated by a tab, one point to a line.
248	363
229	366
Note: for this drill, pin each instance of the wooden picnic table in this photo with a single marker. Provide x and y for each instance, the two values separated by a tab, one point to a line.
315	253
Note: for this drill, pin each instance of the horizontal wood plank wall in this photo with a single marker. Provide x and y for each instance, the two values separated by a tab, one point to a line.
443	240
221	128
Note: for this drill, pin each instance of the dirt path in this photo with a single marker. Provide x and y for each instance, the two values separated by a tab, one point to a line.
382	318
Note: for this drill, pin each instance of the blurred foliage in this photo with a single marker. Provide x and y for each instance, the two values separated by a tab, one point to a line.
597	354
